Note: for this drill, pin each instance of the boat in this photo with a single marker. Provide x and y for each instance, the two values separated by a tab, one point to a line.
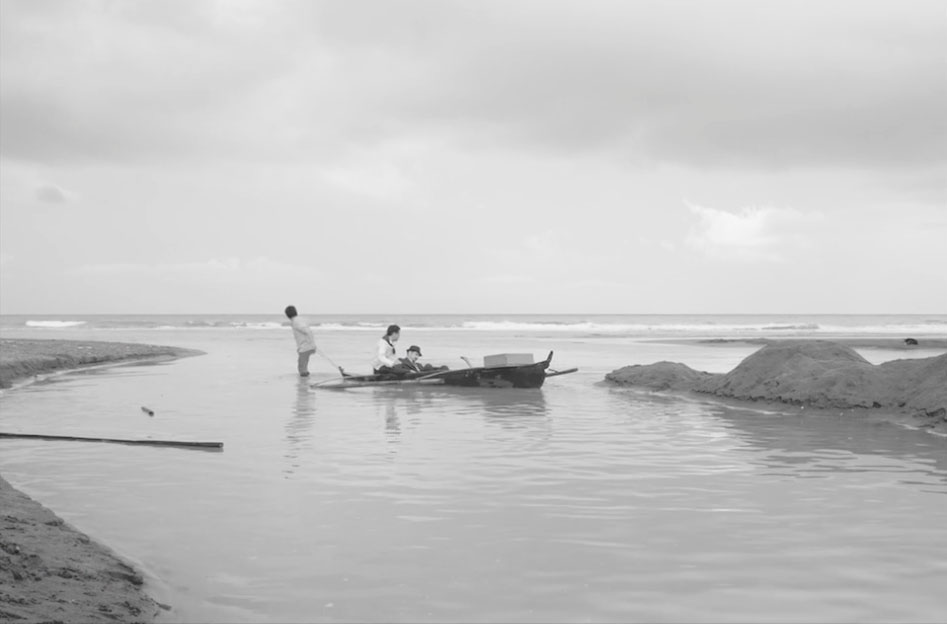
495	375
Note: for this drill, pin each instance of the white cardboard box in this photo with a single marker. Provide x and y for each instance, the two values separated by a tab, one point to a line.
507	359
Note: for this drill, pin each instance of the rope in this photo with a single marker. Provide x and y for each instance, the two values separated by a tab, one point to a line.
341	372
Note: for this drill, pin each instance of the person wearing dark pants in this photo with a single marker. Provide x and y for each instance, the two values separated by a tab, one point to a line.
305	343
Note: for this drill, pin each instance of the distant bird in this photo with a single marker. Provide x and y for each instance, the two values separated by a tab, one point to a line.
148	411
910	341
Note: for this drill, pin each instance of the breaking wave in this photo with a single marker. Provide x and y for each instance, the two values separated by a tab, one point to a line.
54	324
592	325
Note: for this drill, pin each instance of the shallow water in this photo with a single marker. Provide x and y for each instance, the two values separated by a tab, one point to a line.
577	502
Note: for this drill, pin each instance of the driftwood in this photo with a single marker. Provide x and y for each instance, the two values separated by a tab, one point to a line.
194	445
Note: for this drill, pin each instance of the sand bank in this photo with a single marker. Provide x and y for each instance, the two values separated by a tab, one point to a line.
814	373
20	360
50	572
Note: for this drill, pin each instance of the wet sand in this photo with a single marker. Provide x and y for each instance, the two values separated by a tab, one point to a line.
49	571
22	360
820	374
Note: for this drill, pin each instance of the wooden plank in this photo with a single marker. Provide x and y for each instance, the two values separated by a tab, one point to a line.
173	443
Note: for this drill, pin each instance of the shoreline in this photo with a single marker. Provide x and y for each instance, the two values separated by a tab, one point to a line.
52	572
22	359
894	344
49	570
816	375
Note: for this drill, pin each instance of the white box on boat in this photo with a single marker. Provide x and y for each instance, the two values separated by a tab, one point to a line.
507	359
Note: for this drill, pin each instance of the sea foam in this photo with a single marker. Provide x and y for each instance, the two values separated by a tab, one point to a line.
54	324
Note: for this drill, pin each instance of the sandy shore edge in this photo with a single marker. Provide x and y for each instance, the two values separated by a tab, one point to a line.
21	360
49	571
824	375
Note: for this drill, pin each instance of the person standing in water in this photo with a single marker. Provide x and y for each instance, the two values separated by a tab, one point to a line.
305	343
385	360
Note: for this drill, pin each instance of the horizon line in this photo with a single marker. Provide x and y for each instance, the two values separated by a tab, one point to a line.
395	314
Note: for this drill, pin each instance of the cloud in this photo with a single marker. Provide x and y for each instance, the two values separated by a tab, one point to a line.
508	279
705	84
664	244
732	83
50	194
553	257
533	252
217	270
215	284
752	234
378	179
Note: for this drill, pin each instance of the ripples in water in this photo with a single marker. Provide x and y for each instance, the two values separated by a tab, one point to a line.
576	502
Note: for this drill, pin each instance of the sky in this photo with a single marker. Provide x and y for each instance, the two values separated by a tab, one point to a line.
494	157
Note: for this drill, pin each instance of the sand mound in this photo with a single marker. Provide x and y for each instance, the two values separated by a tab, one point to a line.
814	373
920	386
817	373
659	376
49	572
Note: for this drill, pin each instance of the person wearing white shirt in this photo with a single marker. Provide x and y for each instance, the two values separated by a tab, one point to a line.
385	359
305	343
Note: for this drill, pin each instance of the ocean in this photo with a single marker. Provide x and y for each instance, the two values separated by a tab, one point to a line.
575	502
637	325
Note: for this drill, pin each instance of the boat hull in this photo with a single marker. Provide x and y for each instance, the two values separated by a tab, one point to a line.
521	376
530	376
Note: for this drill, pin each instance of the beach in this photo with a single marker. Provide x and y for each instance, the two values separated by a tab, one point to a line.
49	571
664	274
580	500
22	360
817	374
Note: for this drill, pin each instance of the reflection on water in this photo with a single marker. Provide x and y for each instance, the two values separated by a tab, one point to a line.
575	502
506	407
392	422
804	440
816	445
406	410
299	425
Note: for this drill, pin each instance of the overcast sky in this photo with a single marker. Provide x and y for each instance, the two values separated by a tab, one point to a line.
393	157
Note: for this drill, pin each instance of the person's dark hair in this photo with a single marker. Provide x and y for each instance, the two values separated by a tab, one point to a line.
290	311
392	329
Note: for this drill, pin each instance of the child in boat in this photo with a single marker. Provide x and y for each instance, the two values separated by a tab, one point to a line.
410	364
384	361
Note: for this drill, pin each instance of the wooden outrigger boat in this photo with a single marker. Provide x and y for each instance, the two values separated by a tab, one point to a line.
504	376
